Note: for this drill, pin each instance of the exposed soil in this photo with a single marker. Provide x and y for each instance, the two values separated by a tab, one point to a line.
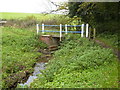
103	44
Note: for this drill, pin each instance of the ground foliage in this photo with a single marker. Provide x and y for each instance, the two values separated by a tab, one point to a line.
19	54
80	63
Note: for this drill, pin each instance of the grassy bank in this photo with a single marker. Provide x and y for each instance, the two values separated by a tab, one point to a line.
19	54
110	39
80	63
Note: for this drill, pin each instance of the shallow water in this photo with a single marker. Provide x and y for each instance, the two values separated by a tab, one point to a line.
39	66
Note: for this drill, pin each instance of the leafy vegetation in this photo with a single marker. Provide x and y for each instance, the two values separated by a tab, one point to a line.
110	39
80	63
18	52
100	15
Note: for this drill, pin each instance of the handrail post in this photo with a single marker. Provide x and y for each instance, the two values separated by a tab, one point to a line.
60	32
66	28
87	30
37	27
82	30
43	28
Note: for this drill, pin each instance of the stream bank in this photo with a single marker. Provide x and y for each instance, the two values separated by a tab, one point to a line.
39	65
26	76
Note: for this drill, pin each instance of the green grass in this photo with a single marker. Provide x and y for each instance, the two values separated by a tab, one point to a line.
28	20
8	15
80	63
19	54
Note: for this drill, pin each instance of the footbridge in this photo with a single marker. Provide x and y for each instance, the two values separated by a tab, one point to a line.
54	39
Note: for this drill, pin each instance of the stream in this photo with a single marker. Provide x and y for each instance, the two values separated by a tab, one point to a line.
53	45
39	66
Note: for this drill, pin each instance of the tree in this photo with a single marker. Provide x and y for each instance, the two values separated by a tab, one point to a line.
101	15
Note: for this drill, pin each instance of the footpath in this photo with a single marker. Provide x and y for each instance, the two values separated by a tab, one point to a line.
103	44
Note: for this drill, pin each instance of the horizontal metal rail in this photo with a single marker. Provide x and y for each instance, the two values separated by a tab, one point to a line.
82	31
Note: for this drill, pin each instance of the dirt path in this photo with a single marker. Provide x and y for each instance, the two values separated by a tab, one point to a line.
103	44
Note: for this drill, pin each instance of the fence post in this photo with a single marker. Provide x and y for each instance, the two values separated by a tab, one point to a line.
43	28
37	27
60	32
94	33
87	30
82	28
66	28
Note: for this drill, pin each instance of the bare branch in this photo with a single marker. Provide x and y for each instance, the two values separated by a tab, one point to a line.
54	4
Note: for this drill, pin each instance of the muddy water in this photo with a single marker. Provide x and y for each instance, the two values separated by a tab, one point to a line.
38	67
